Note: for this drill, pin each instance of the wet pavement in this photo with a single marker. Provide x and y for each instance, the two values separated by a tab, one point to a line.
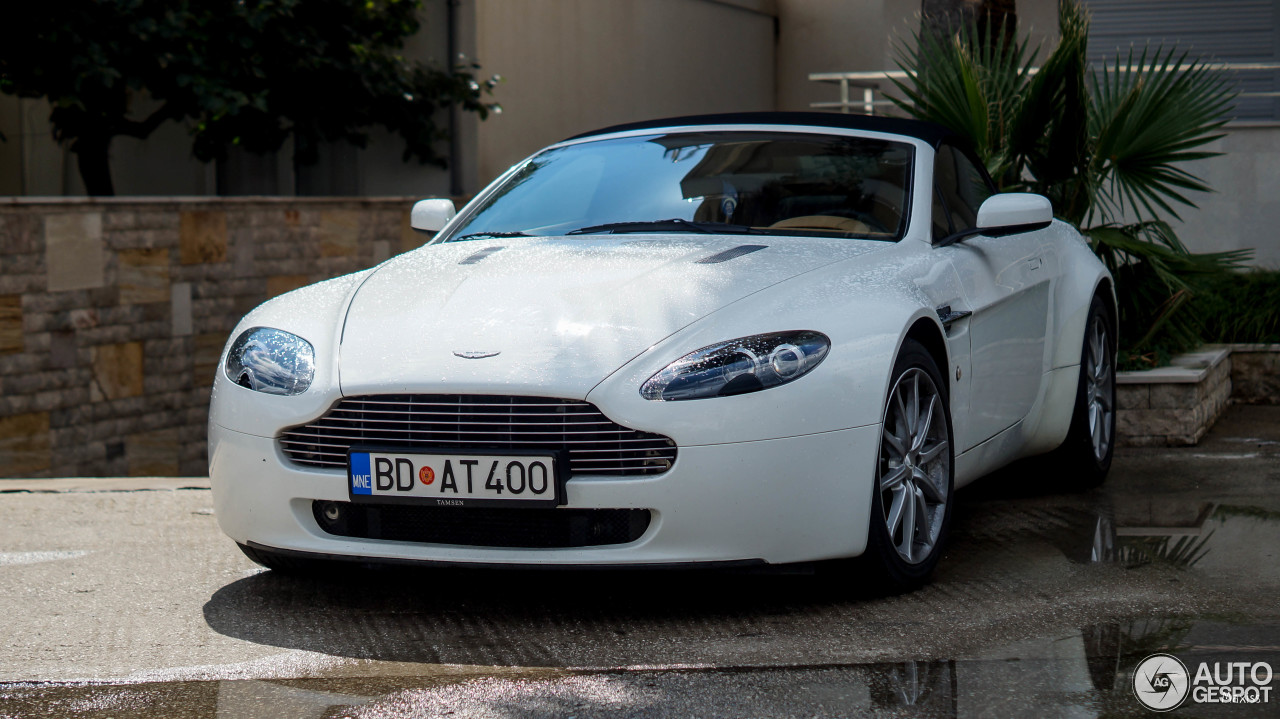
131	603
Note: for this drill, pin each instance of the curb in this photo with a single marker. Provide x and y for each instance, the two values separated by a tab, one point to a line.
66	485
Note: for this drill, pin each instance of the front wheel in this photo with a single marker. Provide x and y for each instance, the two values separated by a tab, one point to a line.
912	498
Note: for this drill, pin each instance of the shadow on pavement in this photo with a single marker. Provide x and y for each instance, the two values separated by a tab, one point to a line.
513	618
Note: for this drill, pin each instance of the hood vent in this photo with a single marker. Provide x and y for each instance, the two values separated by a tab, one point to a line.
730	254
477	256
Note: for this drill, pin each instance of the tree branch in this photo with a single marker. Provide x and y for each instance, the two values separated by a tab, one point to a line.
143	129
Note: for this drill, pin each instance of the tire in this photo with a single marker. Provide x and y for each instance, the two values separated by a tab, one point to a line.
915	475
1083	460
284	563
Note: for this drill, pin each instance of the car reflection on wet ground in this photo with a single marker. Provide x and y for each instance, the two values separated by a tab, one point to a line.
1043	606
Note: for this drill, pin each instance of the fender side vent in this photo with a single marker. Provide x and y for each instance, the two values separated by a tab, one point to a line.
476	257
946	315
731	253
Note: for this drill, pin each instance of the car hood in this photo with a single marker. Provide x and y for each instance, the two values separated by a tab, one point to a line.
554	316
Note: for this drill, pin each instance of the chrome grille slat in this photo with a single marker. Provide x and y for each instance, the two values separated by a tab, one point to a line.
656	449
566	403
365	439
596	444
341	463
592	461
473	419
338	420
362	412
473	433
611	468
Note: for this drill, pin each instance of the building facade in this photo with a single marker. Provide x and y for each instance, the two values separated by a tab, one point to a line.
573	65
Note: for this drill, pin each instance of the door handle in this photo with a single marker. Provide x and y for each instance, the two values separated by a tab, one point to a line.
1034	263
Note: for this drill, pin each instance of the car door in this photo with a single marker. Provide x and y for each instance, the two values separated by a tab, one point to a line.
1007	283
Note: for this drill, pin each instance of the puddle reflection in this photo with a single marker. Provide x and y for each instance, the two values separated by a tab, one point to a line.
1083	674
1183	536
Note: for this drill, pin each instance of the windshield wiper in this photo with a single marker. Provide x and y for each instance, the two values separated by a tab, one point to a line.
674	224
485	235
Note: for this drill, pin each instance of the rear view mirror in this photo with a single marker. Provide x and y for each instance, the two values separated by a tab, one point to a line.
432	215
1012	212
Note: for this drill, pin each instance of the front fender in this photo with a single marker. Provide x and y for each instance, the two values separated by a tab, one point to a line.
314	313
1082	275
846	390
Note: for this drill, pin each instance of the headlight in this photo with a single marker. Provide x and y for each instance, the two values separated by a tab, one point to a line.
743	365
271	361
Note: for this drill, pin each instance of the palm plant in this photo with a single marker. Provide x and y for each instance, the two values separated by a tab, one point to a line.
1104	144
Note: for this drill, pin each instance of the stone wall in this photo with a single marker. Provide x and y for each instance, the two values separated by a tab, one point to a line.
1175	405
1255	373
113	314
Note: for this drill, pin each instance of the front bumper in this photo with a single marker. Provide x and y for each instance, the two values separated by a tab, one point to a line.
797	499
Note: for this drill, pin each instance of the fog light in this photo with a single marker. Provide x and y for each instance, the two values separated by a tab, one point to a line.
331	511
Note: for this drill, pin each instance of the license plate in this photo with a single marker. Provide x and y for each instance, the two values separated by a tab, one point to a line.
453	480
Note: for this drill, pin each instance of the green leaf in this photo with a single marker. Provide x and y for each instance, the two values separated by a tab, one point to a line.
1101	143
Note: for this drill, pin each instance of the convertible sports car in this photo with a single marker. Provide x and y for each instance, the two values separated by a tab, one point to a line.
734	339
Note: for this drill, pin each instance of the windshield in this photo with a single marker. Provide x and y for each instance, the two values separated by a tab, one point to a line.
766	183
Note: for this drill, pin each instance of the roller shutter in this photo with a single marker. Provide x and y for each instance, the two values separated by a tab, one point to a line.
1230	31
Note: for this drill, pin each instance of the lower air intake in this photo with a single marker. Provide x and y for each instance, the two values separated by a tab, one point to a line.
520	527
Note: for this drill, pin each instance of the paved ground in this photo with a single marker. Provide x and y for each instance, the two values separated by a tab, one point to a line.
129	602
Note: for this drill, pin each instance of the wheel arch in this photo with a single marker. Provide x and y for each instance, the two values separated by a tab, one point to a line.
930	335
1048	426
1083	278
1107	290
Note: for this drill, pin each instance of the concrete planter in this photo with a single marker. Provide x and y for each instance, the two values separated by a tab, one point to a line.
1255	373
1176	405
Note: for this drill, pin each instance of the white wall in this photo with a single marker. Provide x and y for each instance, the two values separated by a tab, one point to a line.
835	36
31	163
10	150
381	172
859	36
1244	210
577	65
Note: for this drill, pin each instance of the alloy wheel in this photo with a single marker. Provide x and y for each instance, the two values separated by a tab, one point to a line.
1099	389
915	465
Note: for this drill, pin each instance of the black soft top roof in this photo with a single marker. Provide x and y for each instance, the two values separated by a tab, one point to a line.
927	131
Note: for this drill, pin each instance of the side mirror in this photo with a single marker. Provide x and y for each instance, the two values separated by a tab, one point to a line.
431	215
1012	212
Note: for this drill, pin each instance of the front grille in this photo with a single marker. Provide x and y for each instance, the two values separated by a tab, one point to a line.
531	528
595	444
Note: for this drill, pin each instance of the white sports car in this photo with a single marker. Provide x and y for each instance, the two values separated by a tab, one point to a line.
716	340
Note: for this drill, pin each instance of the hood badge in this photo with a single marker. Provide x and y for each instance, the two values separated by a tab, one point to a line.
476	355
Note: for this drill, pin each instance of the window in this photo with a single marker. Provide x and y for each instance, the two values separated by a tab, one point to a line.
941	221
962	187
748	182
